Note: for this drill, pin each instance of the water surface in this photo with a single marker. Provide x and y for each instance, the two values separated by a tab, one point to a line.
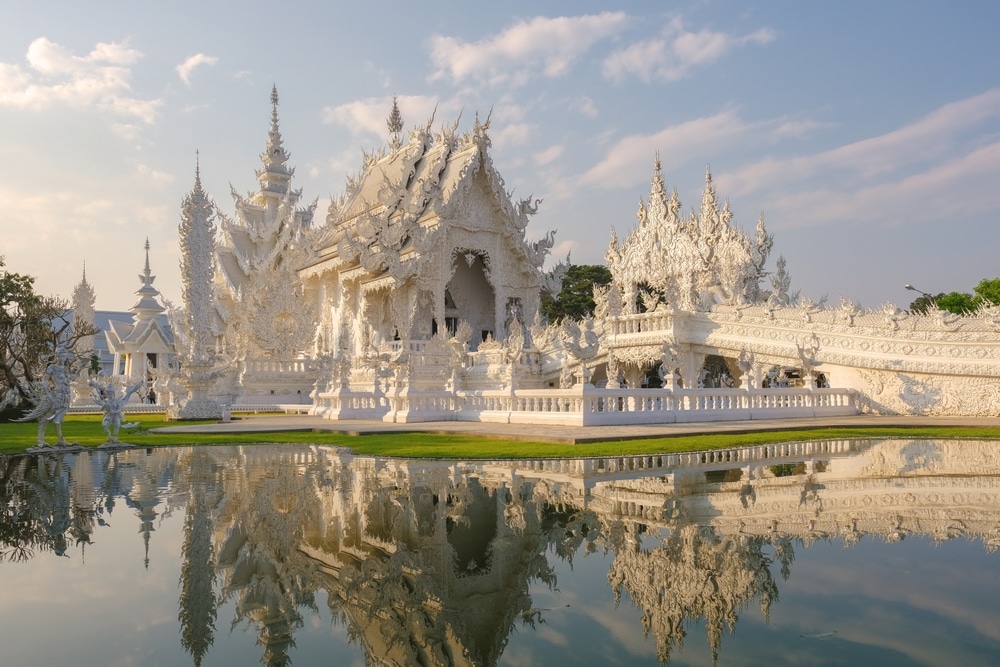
821	553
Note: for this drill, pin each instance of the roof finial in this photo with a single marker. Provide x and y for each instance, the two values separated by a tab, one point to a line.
197	169
275	175
395	123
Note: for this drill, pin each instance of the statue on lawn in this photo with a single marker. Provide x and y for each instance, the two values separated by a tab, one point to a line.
51	395
113	406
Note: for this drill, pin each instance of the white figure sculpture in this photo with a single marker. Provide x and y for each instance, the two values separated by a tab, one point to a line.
51	395
113	406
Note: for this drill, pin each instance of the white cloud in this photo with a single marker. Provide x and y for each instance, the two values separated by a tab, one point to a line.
673	54
933	137
796	129
158	177
378	73
586	107
185	69
57	77
514	134
369	115
943	166
549	154
955	189
628	161
540	46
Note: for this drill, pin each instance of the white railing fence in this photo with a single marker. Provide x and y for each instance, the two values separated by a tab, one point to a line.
586	405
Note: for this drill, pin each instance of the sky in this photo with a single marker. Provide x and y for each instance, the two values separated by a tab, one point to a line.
868	134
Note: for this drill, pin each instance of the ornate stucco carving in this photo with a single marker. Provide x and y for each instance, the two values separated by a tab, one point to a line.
690	262
262	249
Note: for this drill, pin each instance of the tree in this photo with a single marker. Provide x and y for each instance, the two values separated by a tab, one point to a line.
925	303
987	292
576	298
30	327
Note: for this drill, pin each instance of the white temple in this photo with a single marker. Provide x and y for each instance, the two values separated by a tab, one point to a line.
145	344
417	299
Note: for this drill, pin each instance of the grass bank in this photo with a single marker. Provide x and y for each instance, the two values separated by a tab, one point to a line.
86	430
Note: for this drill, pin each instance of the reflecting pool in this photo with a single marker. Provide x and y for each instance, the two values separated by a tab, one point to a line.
847	552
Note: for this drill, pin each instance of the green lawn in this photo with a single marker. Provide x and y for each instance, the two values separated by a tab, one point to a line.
86	430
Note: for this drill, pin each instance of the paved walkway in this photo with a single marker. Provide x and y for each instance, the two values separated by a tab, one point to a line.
560	434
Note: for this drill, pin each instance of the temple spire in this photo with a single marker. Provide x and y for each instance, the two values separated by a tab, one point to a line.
275	175
149	278
197	240
395	123
83	302
147	307
197	170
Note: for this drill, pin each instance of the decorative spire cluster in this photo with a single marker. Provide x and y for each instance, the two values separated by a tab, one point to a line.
692	261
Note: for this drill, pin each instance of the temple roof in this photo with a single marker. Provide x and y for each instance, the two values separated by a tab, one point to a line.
404	190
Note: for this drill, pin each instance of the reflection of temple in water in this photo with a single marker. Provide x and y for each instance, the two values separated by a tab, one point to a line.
429	562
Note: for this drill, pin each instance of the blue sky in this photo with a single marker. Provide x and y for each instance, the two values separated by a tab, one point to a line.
867	133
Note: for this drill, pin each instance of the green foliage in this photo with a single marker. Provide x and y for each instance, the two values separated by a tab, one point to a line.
959	303
30	326
23	335
923	304
987	292
788	469
576	299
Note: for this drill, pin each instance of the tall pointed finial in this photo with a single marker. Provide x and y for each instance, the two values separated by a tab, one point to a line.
708	174
275	175
274	136
197	169
147	306
656	163
395	122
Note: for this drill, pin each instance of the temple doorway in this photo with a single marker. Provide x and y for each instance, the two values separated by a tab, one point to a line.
472	296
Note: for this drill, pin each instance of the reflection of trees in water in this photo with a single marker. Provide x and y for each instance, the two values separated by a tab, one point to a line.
42	511
29	493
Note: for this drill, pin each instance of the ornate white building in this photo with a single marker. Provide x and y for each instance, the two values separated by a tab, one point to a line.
146	344
417	299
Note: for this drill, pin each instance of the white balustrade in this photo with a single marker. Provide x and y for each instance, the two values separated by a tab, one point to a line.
590	406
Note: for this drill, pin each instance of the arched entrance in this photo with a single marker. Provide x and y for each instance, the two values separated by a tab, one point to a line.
469	295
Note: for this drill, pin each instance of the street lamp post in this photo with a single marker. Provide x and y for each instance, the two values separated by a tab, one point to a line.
914	289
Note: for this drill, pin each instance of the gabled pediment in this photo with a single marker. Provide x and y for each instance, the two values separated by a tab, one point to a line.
117	333
153	338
